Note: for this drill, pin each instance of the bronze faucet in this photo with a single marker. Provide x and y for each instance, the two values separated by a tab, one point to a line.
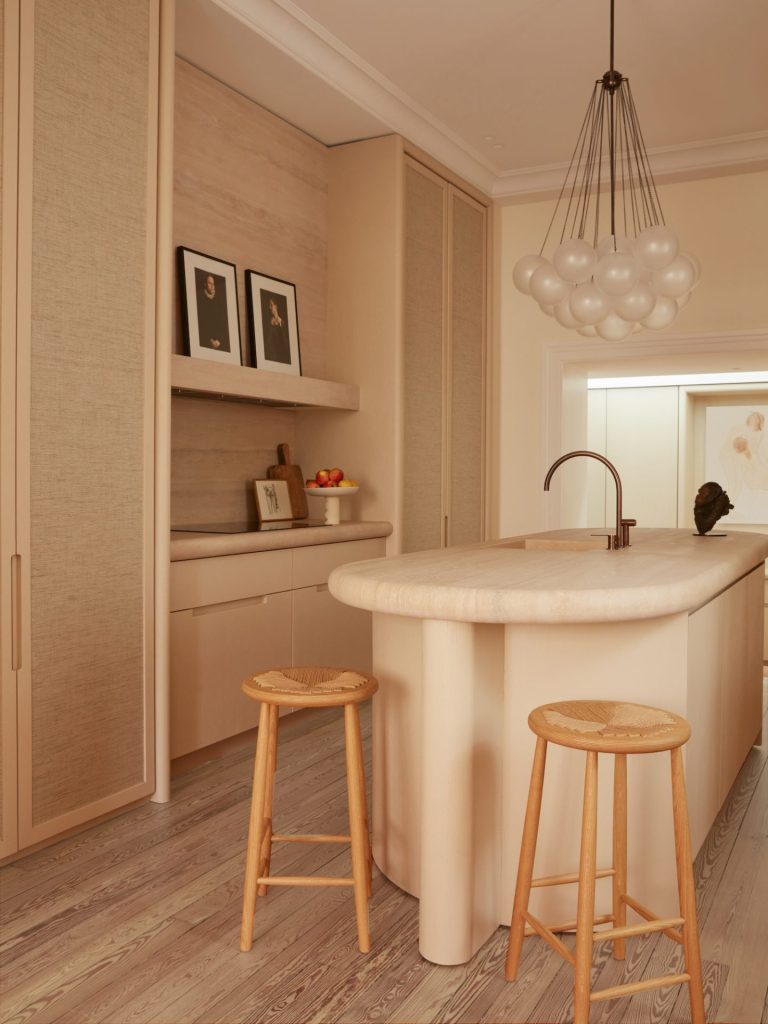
621	538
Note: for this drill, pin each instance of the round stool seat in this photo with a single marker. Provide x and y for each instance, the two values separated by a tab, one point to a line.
310	686
611	727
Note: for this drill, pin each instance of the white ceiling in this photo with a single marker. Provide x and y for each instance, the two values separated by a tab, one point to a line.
497	88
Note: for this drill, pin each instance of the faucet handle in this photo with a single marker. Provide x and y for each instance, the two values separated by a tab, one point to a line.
625	525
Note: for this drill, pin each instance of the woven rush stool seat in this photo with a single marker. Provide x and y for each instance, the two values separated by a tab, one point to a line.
306	686
618	728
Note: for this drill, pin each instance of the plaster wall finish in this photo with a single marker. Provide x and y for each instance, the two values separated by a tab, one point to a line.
724	221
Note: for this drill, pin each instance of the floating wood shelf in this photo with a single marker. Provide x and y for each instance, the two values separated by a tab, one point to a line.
206	378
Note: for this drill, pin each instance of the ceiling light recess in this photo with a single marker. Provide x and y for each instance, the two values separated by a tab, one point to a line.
632	277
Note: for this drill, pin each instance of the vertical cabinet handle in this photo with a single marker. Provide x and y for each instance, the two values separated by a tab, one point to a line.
15	612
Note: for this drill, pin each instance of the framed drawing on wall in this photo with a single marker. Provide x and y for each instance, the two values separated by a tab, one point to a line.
274	323
736	456
210	319
273	500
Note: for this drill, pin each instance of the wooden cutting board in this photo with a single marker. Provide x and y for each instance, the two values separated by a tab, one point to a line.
293	476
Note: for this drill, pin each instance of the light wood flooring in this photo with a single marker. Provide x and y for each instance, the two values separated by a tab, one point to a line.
137	919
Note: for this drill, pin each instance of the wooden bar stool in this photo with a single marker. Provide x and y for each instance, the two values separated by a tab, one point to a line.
608	727
308	687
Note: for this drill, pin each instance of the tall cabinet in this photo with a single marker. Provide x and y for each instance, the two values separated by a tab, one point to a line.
407	321
79	111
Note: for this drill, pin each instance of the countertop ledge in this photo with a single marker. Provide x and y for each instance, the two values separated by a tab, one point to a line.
186	546
664	572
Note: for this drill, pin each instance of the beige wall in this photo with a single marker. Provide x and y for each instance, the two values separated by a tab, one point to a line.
253	190
724	221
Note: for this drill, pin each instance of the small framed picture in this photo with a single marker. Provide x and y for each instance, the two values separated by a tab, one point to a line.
273	501
274	323
208	289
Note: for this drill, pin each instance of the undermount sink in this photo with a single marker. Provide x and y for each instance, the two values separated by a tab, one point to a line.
558	544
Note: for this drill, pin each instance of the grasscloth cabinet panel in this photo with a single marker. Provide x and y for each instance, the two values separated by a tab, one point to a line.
443	362
84	336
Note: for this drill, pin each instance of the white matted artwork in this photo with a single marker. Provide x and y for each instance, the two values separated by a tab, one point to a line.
273	500
736	456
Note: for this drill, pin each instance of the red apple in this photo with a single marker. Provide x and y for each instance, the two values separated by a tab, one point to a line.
322	476
336	475
312	483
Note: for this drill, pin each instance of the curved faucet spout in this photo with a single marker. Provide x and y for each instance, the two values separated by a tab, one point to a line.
621	537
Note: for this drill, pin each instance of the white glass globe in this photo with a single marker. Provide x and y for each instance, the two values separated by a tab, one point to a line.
676	279
656	247
575	260
696	265
589	305
564	316
616	272
614	243
587	332
683	300
662	314
523	271
614	328
547	287
637	303
547	309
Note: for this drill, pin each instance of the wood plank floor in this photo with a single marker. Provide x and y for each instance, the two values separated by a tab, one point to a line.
137	919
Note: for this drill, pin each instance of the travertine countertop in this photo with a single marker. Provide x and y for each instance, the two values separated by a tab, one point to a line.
662	573
209	545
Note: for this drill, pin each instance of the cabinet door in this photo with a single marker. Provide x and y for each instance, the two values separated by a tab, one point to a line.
466	372
213	649
85	408
423	356
327	632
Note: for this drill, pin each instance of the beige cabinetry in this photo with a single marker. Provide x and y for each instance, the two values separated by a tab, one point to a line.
237	614
77	372
443	362
407	322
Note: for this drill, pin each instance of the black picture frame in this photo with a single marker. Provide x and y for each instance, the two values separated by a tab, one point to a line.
274	323
209	308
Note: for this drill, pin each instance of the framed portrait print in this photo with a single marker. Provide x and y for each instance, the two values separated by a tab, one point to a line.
274	323
273	500
208	289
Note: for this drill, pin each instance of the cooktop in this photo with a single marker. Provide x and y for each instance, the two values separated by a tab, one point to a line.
282	524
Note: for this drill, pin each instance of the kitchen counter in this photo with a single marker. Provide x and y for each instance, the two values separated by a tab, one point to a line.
185	545
467	641
663	572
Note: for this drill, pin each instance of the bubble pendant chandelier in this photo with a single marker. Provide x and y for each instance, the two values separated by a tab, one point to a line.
633	276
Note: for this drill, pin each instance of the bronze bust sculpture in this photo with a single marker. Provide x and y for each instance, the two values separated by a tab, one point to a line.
711	504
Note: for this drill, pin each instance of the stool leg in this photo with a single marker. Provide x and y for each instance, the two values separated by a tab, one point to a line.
366	823
356	827
527	854
255	829
585	913
619	851
686	888
266	842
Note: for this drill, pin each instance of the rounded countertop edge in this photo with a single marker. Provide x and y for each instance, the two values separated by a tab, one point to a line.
373	585
186	546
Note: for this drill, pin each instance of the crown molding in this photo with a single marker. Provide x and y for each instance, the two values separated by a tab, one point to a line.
657	344
735	154
292	31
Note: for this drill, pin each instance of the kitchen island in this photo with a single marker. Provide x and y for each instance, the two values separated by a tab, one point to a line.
467	640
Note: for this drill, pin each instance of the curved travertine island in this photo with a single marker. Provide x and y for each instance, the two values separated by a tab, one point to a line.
466	641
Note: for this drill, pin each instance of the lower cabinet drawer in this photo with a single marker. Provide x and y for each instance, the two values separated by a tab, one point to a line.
212	650
326	632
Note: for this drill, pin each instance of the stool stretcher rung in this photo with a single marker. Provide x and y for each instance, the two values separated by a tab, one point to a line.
569	926
650	916
639	986
550	937
659	925
310	839
537	883
303	880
